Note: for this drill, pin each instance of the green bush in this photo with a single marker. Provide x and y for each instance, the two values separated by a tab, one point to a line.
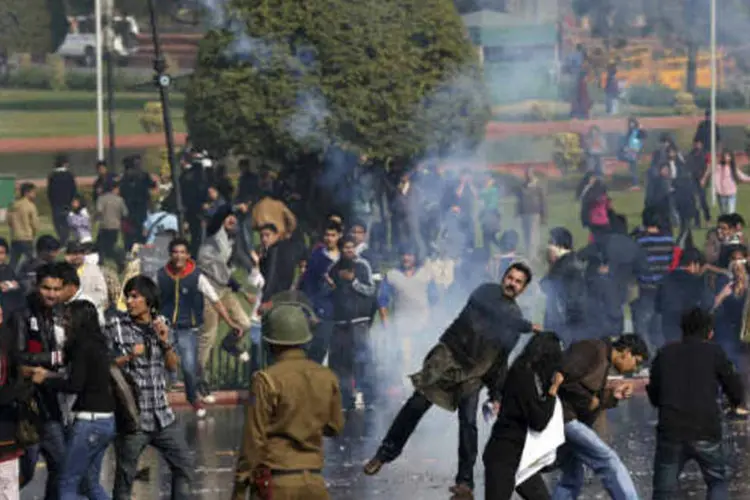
81	81
57	74
52	76
29	77
651	96
725	99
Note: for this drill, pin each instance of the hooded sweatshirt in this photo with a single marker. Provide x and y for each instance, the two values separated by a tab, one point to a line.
182	293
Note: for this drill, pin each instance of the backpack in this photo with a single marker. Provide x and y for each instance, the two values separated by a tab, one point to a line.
126	393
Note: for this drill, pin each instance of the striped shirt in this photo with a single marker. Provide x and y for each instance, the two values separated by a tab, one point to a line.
659	248
148	371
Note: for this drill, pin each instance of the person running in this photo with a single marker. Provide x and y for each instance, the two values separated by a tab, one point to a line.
471	353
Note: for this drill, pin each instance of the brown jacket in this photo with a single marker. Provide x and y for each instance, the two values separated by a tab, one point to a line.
271	211
23	219
295	402
586	367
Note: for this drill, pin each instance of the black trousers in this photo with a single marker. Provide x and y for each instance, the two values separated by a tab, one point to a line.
60	221
701	192
410	415
20	250
501	458
106	243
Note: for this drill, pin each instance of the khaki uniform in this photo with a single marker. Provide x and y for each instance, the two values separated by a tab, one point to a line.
295	402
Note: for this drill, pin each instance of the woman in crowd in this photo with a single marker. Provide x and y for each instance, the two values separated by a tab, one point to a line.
632	147
727	178
595	205
528	403
88	364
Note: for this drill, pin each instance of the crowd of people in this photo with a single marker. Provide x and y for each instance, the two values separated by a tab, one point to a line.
64	318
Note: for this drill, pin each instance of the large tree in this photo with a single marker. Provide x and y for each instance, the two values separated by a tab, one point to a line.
32	26
388	79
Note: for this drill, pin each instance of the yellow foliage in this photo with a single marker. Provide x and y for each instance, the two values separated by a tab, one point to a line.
540	112
56	66
151	119
684	104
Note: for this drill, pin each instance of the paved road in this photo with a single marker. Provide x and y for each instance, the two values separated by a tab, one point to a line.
426	469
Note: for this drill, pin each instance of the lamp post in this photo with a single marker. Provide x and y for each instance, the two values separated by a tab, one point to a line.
713	102
99	82
109	58
163	81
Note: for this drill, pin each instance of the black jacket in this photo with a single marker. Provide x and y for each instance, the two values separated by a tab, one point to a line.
685	379
352	300
565	291
489	322
586	366
679	292
278	265
61	188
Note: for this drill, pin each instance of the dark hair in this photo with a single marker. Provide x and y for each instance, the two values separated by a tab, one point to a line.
347	239
690	256
68	274
82	325
651	218
520	266
244	163
543	355
81	200
725	218
47	243
737	219
333	226
145	287
358	223
45	271
619	223
61	161
696	323
101	163
179	241
633	343
4	244
26	187
270	227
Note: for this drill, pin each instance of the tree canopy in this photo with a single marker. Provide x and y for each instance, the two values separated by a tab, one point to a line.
388	79
32	26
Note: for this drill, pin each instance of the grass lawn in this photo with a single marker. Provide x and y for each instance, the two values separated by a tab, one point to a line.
73	113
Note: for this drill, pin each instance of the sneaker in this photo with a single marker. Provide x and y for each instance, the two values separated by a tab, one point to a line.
200	412
209	399
373	466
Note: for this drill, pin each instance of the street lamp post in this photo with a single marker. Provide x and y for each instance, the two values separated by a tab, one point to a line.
163	81
109	58
713	102
99	81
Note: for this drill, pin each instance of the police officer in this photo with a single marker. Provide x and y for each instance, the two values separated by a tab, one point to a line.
294	403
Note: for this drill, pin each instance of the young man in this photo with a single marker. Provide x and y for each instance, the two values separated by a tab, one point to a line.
110	212
183	288
47	249
471	353
313	285
283	442
61	188
23	220
143	347
658	246
584	395
685	379
104	180
353	292
39	340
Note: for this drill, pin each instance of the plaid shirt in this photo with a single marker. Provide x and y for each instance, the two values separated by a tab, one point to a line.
148	371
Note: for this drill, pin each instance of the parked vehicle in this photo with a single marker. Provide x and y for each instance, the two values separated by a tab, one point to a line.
80	42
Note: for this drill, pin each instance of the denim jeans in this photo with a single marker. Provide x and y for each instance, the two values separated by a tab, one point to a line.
187	347
87	443
633	166
52	448
351	360
317	350
671	457
409	417
646	321
584	447
727	204
170	442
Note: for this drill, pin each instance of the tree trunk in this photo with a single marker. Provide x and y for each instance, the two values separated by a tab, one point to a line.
692	66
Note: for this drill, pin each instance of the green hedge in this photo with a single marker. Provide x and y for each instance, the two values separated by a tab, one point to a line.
725	99
651	95
41	77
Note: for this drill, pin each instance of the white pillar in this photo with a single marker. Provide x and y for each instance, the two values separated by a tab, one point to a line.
99	83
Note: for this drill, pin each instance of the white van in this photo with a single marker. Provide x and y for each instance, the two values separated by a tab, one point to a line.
80	42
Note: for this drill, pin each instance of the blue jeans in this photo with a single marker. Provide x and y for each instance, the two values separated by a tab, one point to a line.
187	348
321	342
584	447
633	165
671	457
52	448
87	443
646	321
170	442
727	204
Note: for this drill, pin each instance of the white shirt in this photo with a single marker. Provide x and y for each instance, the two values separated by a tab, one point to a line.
207	289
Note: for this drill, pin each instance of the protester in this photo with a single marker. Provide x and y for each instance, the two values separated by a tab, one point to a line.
104	182
631	149
79	220
23	220
528	402
61	188
728	176
471	353
685	378
136	186
11	295
92	281
584	394
47	248
111	211
703	131
531	207
142	344
697	166
87	378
